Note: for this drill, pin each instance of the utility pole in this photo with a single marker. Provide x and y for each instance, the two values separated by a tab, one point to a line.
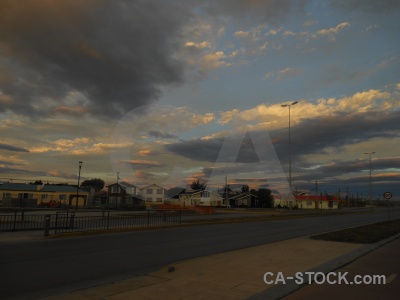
290	151
370	177
226	192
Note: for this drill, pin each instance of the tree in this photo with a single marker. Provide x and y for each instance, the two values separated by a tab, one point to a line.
37	182
265	198
196	185
95	183
245	188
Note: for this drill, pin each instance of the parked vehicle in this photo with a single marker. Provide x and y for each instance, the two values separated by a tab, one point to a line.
51	203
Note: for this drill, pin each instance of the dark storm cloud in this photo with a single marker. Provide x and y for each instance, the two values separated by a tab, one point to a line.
12	148
337	168
335	131
309	137
197	149
116	53
163	135
209	150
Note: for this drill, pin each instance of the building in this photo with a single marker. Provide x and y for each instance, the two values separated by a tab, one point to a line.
317	202
47	195
123	196
200	198
306	201
152	194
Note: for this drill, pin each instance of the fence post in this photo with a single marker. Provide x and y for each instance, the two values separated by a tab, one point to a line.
148	218
165	216
108	219
47	225
56	224
15	220
71	221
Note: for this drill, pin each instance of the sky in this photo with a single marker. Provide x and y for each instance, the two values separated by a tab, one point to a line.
167	92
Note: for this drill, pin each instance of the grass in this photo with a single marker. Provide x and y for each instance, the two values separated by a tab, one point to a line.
367	234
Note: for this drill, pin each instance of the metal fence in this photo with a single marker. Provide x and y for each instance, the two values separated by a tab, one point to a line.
66	221
19	221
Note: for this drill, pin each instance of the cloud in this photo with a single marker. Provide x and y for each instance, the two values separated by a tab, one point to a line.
213	61
309	136
62	175
142	163
13	148
197	149
282	74
261	11
370	6
163	135
331	32
115	54
336	131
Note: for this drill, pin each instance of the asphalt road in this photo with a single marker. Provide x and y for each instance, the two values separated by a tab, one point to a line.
30	270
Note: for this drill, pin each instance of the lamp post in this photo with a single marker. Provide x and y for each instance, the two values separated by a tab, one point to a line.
290	148
77	188
370	177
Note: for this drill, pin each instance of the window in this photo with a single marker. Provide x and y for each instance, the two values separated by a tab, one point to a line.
149	199
6	195
115	189
62	197
206	194
149	191
45	196
330	204
159	199
159	191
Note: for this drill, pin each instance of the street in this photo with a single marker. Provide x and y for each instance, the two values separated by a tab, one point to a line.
47	267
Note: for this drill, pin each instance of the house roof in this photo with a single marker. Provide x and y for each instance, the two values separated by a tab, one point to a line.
127	184
62	188
18	187
151	185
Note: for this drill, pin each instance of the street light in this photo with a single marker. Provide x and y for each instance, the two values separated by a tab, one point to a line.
77	188
290	150
370	177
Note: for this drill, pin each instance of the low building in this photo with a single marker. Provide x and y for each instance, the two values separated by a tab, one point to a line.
317	202
47	195
200	198
153	194
305	201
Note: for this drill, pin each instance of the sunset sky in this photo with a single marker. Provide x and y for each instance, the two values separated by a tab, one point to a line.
168	91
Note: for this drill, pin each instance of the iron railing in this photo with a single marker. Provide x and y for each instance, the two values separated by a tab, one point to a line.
67	221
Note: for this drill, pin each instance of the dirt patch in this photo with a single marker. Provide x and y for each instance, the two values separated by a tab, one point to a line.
367	234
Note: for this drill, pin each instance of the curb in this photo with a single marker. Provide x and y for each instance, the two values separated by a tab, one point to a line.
281	290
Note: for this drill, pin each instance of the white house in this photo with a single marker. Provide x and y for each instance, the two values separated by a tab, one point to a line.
200	198
152	194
